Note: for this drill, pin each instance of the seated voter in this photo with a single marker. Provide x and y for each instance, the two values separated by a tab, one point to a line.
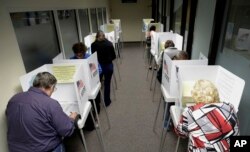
36	122
209	123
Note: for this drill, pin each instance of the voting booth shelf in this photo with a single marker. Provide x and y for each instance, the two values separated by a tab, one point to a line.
71	90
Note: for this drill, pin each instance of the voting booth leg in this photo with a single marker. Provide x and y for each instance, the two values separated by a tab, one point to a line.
177	144
113	89
105	109
157	113
114	78
98	131
149	64
96	112
84	141
118	71
164	131
154	88
152	78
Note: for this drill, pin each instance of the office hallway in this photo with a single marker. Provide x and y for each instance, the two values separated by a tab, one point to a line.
132	113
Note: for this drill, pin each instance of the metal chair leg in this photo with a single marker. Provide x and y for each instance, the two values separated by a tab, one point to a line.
149	64
154	88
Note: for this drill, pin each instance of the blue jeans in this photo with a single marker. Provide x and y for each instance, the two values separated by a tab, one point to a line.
107	72
59	148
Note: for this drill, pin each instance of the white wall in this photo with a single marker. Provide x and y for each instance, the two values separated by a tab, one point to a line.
131	15
12	66
203	27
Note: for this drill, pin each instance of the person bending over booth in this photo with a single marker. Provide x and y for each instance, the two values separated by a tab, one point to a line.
209	123
105	54
37	122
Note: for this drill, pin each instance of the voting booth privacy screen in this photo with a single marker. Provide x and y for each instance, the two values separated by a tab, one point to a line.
230	86
158	40
170	70
71	90
159	26
90	71
145	23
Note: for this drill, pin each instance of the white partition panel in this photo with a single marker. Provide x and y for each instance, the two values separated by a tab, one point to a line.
159	26
88	40
170	70
90	70
58	57
230	86
164	36
145	23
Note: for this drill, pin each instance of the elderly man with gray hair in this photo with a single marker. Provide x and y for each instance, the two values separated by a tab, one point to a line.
37	122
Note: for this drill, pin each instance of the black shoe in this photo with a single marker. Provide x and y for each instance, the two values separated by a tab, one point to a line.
107	103
150	68
155	68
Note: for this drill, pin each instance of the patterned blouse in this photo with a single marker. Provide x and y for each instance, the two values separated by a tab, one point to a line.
209	126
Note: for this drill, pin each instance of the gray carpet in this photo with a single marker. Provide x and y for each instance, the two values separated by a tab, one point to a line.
131	112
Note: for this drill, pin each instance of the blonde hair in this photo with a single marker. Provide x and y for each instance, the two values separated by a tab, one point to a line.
204	91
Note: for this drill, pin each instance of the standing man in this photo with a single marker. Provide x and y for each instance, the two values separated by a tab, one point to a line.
37	122
105	54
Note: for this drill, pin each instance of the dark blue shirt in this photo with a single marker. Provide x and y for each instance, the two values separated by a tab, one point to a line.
36	122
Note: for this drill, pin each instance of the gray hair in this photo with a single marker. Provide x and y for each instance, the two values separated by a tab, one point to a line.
44	80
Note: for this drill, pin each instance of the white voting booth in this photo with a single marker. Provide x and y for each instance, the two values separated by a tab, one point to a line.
145	23
107	28
71	87
158	40
170	71
230	86
90	72
159	26
88	40
90	75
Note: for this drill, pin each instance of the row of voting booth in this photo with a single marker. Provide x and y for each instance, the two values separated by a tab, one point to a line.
179	76
77	82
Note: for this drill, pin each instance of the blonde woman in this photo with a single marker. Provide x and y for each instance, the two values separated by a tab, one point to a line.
209	123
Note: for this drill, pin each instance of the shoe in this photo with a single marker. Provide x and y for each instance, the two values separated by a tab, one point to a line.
155	68
150	68
107	104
